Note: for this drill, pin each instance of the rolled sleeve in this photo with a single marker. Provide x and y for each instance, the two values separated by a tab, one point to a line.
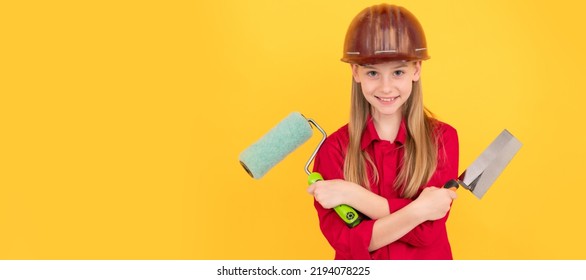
349	243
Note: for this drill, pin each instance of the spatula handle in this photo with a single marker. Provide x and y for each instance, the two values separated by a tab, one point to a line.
452	185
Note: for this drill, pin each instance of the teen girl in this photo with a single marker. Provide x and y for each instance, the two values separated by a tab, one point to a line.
392	158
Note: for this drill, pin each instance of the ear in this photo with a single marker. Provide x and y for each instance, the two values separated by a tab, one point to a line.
417	73
354	68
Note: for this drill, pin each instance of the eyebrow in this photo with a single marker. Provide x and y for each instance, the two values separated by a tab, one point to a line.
369	66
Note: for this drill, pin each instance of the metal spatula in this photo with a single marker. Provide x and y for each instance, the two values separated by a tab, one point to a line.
482	173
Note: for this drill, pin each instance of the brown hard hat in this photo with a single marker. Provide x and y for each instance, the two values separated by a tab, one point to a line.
383	33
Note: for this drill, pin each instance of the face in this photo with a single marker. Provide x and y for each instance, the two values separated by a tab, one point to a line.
387	86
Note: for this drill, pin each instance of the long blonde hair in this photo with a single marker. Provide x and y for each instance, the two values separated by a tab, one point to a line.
420	148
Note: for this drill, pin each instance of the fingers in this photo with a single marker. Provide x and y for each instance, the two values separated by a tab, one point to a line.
453	194
311	189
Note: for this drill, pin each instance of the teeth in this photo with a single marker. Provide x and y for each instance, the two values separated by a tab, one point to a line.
388	99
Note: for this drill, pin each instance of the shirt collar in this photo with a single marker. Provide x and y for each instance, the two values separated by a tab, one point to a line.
370	135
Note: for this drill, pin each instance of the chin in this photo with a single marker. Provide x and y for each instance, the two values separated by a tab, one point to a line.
388	112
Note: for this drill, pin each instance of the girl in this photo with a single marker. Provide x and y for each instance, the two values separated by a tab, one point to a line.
390	161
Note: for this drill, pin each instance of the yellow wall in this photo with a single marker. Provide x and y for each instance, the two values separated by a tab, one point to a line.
121	123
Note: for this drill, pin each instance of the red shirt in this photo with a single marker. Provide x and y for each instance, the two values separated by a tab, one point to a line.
428	240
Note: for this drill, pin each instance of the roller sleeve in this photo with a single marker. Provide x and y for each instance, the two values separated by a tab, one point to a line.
275	145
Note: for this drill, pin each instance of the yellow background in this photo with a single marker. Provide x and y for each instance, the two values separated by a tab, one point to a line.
121	123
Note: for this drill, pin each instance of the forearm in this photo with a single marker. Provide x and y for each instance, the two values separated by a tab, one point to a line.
369	204
392	227
377	207
432	204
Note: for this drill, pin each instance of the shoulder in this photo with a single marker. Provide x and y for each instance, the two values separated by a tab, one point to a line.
447	141
445	131
329	160
341	134
338	140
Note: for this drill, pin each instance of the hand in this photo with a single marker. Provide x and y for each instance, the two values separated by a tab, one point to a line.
331	193
434	202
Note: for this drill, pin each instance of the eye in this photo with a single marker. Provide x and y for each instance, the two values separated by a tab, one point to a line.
371	74
398	73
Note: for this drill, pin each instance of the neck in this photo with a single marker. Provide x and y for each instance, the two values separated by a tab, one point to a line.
387	126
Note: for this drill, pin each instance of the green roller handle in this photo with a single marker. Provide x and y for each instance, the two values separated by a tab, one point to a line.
347	213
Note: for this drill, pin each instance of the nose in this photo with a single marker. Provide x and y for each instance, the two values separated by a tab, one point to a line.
387	84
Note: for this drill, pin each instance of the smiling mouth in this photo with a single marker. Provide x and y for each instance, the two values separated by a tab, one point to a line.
386	99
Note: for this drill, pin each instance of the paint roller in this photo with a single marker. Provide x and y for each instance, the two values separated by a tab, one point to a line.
279	142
